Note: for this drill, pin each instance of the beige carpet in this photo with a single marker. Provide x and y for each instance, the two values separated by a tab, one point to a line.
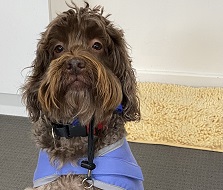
179	116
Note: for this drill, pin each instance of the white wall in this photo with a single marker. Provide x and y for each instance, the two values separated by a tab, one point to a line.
21	22
173	41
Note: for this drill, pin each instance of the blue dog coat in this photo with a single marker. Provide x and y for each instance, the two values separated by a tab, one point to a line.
116	169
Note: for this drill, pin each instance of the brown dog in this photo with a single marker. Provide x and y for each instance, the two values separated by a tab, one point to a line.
82	82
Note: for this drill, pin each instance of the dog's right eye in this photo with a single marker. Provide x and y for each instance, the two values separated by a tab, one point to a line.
58	49
97	46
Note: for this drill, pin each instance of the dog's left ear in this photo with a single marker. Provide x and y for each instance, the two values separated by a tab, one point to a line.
122	68
31	86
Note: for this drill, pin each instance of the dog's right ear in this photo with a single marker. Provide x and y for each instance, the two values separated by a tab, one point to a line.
31	86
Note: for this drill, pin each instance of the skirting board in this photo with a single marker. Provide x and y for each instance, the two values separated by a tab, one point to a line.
10	104
180	78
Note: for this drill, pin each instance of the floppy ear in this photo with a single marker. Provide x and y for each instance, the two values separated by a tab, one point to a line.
31	86
122	68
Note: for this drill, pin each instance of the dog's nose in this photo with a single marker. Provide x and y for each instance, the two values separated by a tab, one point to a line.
75	65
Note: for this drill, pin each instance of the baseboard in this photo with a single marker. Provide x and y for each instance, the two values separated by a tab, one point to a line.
11	104
181	78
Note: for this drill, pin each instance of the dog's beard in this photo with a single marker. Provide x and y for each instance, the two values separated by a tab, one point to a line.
95	91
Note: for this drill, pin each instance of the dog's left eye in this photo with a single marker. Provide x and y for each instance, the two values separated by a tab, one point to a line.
58	49
97	46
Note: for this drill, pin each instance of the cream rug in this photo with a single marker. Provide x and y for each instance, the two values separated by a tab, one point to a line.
179	116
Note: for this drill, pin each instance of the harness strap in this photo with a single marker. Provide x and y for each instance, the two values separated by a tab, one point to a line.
89	164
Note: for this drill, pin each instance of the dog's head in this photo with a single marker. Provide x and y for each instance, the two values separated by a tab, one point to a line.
82	68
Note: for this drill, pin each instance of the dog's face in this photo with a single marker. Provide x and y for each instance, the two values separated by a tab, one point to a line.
82	68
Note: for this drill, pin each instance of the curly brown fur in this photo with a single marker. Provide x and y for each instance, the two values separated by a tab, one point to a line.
82	68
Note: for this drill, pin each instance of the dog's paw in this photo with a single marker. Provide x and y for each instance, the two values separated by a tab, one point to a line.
28	188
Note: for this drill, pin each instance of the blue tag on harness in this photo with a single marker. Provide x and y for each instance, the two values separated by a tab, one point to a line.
119	109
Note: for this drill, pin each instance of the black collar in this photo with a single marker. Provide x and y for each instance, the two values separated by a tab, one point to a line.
68	131
76	129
